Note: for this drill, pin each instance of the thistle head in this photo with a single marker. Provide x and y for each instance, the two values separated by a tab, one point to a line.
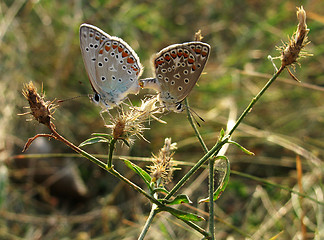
41	110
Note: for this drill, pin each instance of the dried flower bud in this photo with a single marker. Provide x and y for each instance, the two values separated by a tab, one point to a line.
162	167
41	110
291	51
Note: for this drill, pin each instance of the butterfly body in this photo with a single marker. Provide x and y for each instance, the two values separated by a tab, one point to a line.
177	69
113	67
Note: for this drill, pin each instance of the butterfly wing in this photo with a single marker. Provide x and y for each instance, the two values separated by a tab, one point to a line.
178	68
91	38
112	66
117	70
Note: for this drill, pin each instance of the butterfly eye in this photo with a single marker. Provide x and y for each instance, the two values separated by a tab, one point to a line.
179	107
96	98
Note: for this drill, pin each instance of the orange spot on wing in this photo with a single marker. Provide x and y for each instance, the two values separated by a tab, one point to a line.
174	55
114	46
107	48
193	67
97	38
129	60
134	68
124	54
120	49
91	34
101	51
167	58
191	61
159	62
185	55
179	54
198	51
204	54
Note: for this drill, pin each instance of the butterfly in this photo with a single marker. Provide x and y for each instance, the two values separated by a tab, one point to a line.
112	65
177	69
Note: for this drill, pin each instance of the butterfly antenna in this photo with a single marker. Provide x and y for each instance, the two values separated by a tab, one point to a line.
68	99
191	111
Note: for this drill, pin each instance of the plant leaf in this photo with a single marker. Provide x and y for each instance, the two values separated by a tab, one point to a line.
105	135
222	133
93	141
144	175
241	147
221	188
184	215
160	190
178	200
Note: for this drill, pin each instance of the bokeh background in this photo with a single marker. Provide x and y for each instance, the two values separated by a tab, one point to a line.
63	196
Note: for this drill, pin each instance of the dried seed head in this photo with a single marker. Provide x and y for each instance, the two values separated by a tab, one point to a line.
41	110
119	128
162	167
291	51
130	123
148	109
126	125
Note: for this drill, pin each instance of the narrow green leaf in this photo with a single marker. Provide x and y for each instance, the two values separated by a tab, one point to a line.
160	190
93	141
184	215
221	188
144	175
222	133
178	200
241	147
105	135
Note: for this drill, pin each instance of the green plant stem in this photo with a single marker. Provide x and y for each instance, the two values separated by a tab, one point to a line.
134	186
198	229
77	149
255	99
210	153
211	197
215	149
149	221
111	151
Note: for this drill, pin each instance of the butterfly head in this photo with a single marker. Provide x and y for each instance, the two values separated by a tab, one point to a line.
98	100
175	107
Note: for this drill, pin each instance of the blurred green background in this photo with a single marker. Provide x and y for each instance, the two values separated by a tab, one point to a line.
66	197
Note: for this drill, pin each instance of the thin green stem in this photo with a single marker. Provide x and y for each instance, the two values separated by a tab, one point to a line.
77	149
211	198
134	186
198	229
218	145
111	151
210	153
190	119
255	99
149	221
